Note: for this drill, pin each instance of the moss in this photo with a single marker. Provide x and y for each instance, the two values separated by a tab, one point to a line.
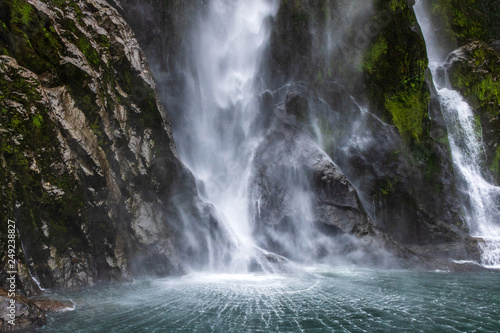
408	110
479	79
495	163
461	21
31	41
80	40
394	68
397	5
103	41
32	137
386	186
373	54
22	12
37	121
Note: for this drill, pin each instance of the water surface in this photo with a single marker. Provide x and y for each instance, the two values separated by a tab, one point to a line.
316	300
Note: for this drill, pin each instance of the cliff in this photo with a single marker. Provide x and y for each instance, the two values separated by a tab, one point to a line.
88	168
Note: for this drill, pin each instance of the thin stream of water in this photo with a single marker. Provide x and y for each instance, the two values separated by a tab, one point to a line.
481	199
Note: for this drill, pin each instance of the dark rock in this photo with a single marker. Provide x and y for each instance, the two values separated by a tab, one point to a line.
267	99
88	167
48	305
296	104
458	22
301	194
495	45
27	314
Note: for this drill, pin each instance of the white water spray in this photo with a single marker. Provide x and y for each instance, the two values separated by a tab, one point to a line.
213	136
481	199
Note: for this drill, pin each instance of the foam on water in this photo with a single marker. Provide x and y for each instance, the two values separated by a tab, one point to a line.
320	299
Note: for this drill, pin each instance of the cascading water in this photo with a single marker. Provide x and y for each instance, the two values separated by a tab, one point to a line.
481	198
213	134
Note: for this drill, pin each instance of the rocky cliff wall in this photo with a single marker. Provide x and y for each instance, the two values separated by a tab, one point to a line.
375	53
88	168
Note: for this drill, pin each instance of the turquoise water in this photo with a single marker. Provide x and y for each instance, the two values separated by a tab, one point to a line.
316	300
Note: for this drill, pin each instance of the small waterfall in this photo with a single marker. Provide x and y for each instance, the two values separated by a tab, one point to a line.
481	198
213	133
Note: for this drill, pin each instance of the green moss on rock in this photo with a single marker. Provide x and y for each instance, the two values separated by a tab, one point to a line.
408	110
30	149
477	76
394	67
461	21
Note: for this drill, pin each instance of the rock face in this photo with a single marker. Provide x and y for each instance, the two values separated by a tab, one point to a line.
391	144
458	22
301	195
368	210
27	313
390	148
88	168
469	34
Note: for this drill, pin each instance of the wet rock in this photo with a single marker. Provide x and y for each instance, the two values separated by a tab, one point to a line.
88	165
27	314
474	70
300	194
48	305
267	99
296	104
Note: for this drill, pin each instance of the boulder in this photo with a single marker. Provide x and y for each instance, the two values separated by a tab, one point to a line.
28	315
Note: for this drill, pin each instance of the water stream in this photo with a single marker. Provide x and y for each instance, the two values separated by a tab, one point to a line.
481	199
213	133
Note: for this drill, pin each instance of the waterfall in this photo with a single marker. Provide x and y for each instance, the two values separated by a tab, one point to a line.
213	133
481	199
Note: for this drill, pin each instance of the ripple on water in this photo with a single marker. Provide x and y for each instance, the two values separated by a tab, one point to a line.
319	300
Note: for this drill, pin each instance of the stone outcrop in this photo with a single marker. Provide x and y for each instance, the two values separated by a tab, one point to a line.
393	144
363	195
459	22
28	313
